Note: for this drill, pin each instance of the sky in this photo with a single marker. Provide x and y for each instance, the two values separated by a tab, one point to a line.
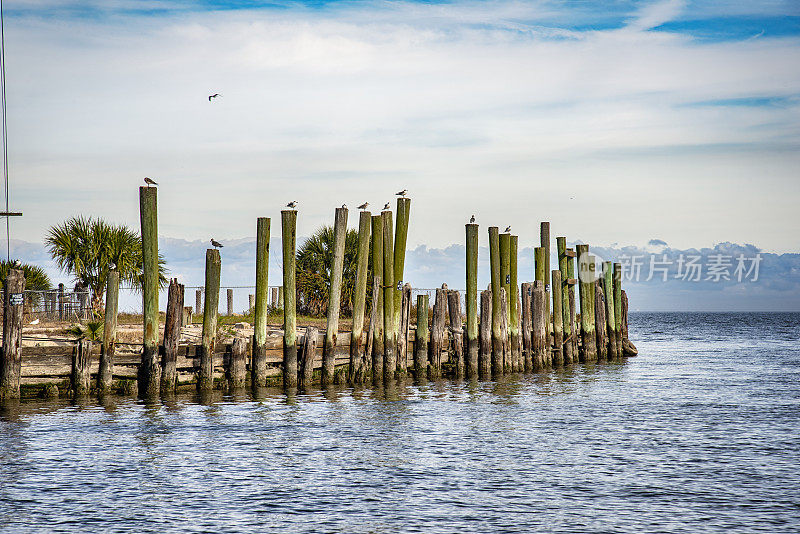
620	122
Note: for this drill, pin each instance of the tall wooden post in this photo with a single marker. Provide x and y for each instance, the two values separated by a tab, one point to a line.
357	367
617	288
205	381
402	334
505	284
571	282
11	357
251	303
608	292
399	258
541	347
198	301
506	359
421	339
527	324
172	335
600	321
289	238
438	332
334	297
473	347
558	320
258	366
456	331
539	254
105	373
230	302
274	297
376	320
389	339
513	305
497	284
485	336
545	244
150	369
561	247
586	293
61	302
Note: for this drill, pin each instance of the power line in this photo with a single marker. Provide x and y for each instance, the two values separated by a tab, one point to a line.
5	129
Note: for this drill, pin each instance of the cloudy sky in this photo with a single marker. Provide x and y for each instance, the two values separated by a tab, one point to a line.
620	122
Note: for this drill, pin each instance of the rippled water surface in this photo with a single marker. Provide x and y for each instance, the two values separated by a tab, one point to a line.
697	434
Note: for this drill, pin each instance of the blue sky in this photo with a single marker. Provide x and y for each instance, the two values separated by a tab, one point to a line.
616	121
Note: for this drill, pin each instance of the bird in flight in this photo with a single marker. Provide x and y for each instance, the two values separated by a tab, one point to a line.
472	219
508	229
402	193
386	207
215	95
149	182
292	204
215	243
363	206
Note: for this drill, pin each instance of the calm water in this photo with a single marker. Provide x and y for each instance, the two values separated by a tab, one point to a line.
700	433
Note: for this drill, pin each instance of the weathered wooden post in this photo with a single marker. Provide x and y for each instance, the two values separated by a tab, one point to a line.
571	282
389	338
561	248
230	302
505	284
527	324
541	276
258	365
251	303
586	294
172	335
274	297
506	359
205	381
545	244
309	353
61	302
541	347
289	237
198	301
513	306
627	346
13	304
485	336
376	328
600	321
456	331
150	369
473	346
81	357
497	284
608	293
280	297
438	332
334	297
237	368
421	339
558	320
108	348
402	335
617	289
357	371
186	316
399	261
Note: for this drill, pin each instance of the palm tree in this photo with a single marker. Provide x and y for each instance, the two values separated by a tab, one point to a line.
86	247
35	277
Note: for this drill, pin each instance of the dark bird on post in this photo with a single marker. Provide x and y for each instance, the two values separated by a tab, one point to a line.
344	206
386	207
149	182
508	229
112	266
292	204
363	206
402	193
215	243
215	95
472	220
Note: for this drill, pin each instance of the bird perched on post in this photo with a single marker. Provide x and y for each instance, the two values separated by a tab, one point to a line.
402	193
149	182
363	206
215	243
508	229
344	206
386	207
112	266
472	220
292	204
215	95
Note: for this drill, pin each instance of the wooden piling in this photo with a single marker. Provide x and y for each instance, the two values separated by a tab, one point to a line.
527	324
624	298
357	363
505	284
600	334
11	356
398	262
389	338
617	289
274	297
150	369
334	297
505	360
544	235
258	364
105	372
237	367
497	284
558	320
205	380
280	297
456	331
438	333
566	325
473	345
309	353
230	302
81	357
421	339
61	302
251	303
172	335
376	321
571	283
289	238
485	336
608	292
513	306
586	294
402	334
541	346
198	301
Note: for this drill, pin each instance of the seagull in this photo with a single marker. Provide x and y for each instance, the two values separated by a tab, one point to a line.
344	206
149	182
386	207
112	266
363	206
508	229
16	264
401	193
472	219
215	244
292	204
215	95
35	321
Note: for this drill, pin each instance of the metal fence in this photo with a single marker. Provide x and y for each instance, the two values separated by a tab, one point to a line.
57	305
